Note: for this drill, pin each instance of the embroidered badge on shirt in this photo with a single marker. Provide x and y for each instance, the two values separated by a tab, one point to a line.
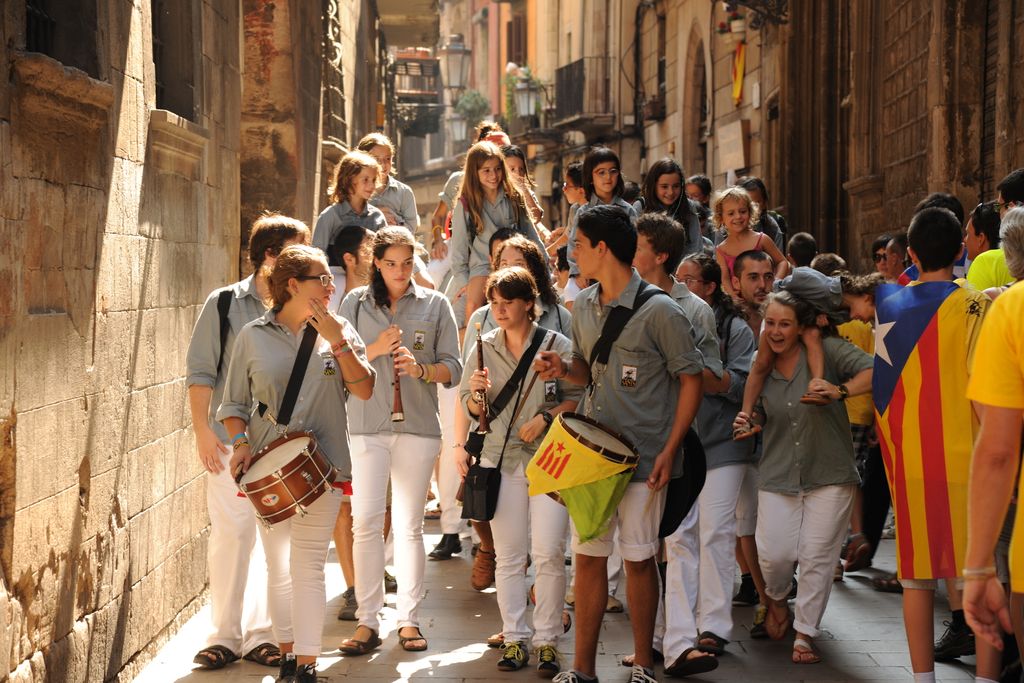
419	340
330	365
628	378
550	391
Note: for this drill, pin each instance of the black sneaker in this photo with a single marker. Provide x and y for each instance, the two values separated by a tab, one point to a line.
448	546
792	590
954	643
758	631
390	583
515	657
747	594
306	674
547	661
287	671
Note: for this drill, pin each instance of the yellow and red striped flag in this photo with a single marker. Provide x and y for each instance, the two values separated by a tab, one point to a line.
924	335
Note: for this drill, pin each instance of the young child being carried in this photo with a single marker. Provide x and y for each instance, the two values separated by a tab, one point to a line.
833	299
735	212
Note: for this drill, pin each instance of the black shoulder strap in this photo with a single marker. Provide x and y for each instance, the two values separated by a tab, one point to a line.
616	322
223	306
291	392
505	395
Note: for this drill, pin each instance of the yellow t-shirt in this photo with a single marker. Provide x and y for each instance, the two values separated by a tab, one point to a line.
997	379
860	409
989	270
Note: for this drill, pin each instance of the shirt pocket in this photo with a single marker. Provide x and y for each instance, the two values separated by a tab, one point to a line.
419	336
633	371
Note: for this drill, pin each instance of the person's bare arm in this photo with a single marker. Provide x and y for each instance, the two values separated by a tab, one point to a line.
207	443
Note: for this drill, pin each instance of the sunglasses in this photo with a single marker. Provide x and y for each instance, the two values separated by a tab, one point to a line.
325	279
878	256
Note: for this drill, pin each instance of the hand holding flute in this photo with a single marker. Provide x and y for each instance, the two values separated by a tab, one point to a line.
480	394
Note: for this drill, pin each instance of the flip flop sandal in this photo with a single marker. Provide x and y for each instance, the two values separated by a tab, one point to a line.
496	641
745	432
656	655
813	398
404	641
214	657
804	652
357	648
566	621
777	628
858	553
695	665
266	654
716	648
887	584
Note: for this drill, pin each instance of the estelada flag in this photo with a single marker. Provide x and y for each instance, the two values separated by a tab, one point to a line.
590	485
924	336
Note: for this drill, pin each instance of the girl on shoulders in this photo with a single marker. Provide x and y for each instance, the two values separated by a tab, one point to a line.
736	212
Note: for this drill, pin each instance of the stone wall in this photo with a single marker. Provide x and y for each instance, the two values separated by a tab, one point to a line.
116	220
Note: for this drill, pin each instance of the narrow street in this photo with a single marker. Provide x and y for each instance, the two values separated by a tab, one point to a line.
863	640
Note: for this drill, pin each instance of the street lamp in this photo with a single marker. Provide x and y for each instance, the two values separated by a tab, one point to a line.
455	127
527	96
456	59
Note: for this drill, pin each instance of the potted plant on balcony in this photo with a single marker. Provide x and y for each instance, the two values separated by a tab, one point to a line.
473	106
737	24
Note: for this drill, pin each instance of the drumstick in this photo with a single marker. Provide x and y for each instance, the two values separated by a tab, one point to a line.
533	379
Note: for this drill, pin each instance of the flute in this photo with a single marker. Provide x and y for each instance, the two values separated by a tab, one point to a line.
397	411
484	424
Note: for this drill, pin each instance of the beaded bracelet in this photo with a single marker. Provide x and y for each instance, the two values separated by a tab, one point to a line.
238	444
341	348
355	381
236	437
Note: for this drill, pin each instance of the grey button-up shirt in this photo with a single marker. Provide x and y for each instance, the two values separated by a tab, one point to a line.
428	331
399	197
337	216
450	192
204	347
557	318
500	364
718	410
469	253
574	221
637	392
264	354
807	447
702	318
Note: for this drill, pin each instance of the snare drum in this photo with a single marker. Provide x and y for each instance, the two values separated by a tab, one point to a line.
286	476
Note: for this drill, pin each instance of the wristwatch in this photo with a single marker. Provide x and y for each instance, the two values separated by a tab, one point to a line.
547	417
844	393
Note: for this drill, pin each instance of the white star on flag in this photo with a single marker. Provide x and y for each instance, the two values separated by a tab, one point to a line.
882	329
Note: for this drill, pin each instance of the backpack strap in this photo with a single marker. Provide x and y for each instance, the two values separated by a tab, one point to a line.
223	306
616	322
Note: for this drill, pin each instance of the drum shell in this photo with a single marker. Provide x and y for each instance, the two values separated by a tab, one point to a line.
295	485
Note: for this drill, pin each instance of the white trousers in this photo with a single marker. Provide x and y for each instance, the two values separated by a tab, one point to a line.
408	461
238	596
516	519
448	478
296	553
807	528
746	505
717	527
675	627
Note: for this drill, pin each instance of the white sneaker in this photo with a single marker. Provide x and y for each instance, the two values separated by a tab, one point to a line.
639	675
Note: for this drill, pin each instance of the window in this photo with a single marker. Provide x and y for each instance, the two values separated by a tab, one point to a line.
516	37
65	31
173	57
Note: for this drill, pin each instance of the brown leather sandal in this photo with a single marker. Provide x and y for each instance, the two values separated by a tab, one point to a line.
482	576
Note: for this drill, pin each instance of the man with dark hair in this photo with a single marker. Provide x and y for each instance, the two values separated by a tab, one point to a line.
896	257
988	262
651	382
801	249
924	343
753	276
942	200
1010	191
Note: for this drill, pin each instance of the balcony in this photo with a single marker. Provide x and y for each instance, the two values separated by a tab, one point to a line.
583	95
417	77
533	130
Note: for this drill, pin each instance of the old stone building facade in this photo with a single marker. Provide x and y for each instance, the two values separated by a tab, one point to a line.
137	141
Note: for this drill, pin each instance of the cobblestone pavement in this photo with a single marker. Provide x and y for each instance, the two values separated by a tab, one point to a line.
863	639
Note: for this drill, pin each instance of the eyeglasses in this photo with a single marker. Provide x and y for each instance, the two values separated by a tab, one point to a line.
325	279
607	173
878	256
689	280
999	206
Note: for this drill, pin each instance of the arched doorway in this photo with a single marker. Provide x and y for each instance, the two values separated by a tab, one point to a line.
695	107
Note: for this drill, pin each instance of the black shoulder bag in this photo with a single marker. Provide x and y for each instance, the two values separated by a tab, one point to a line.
481	485
223	308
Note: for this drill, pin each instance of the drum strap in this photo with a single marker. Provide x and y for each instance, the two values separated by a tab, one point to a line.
291	392
616	321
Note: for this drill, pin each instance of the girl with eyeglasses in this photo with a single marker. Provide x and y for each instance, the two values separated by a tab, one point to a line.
262	359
